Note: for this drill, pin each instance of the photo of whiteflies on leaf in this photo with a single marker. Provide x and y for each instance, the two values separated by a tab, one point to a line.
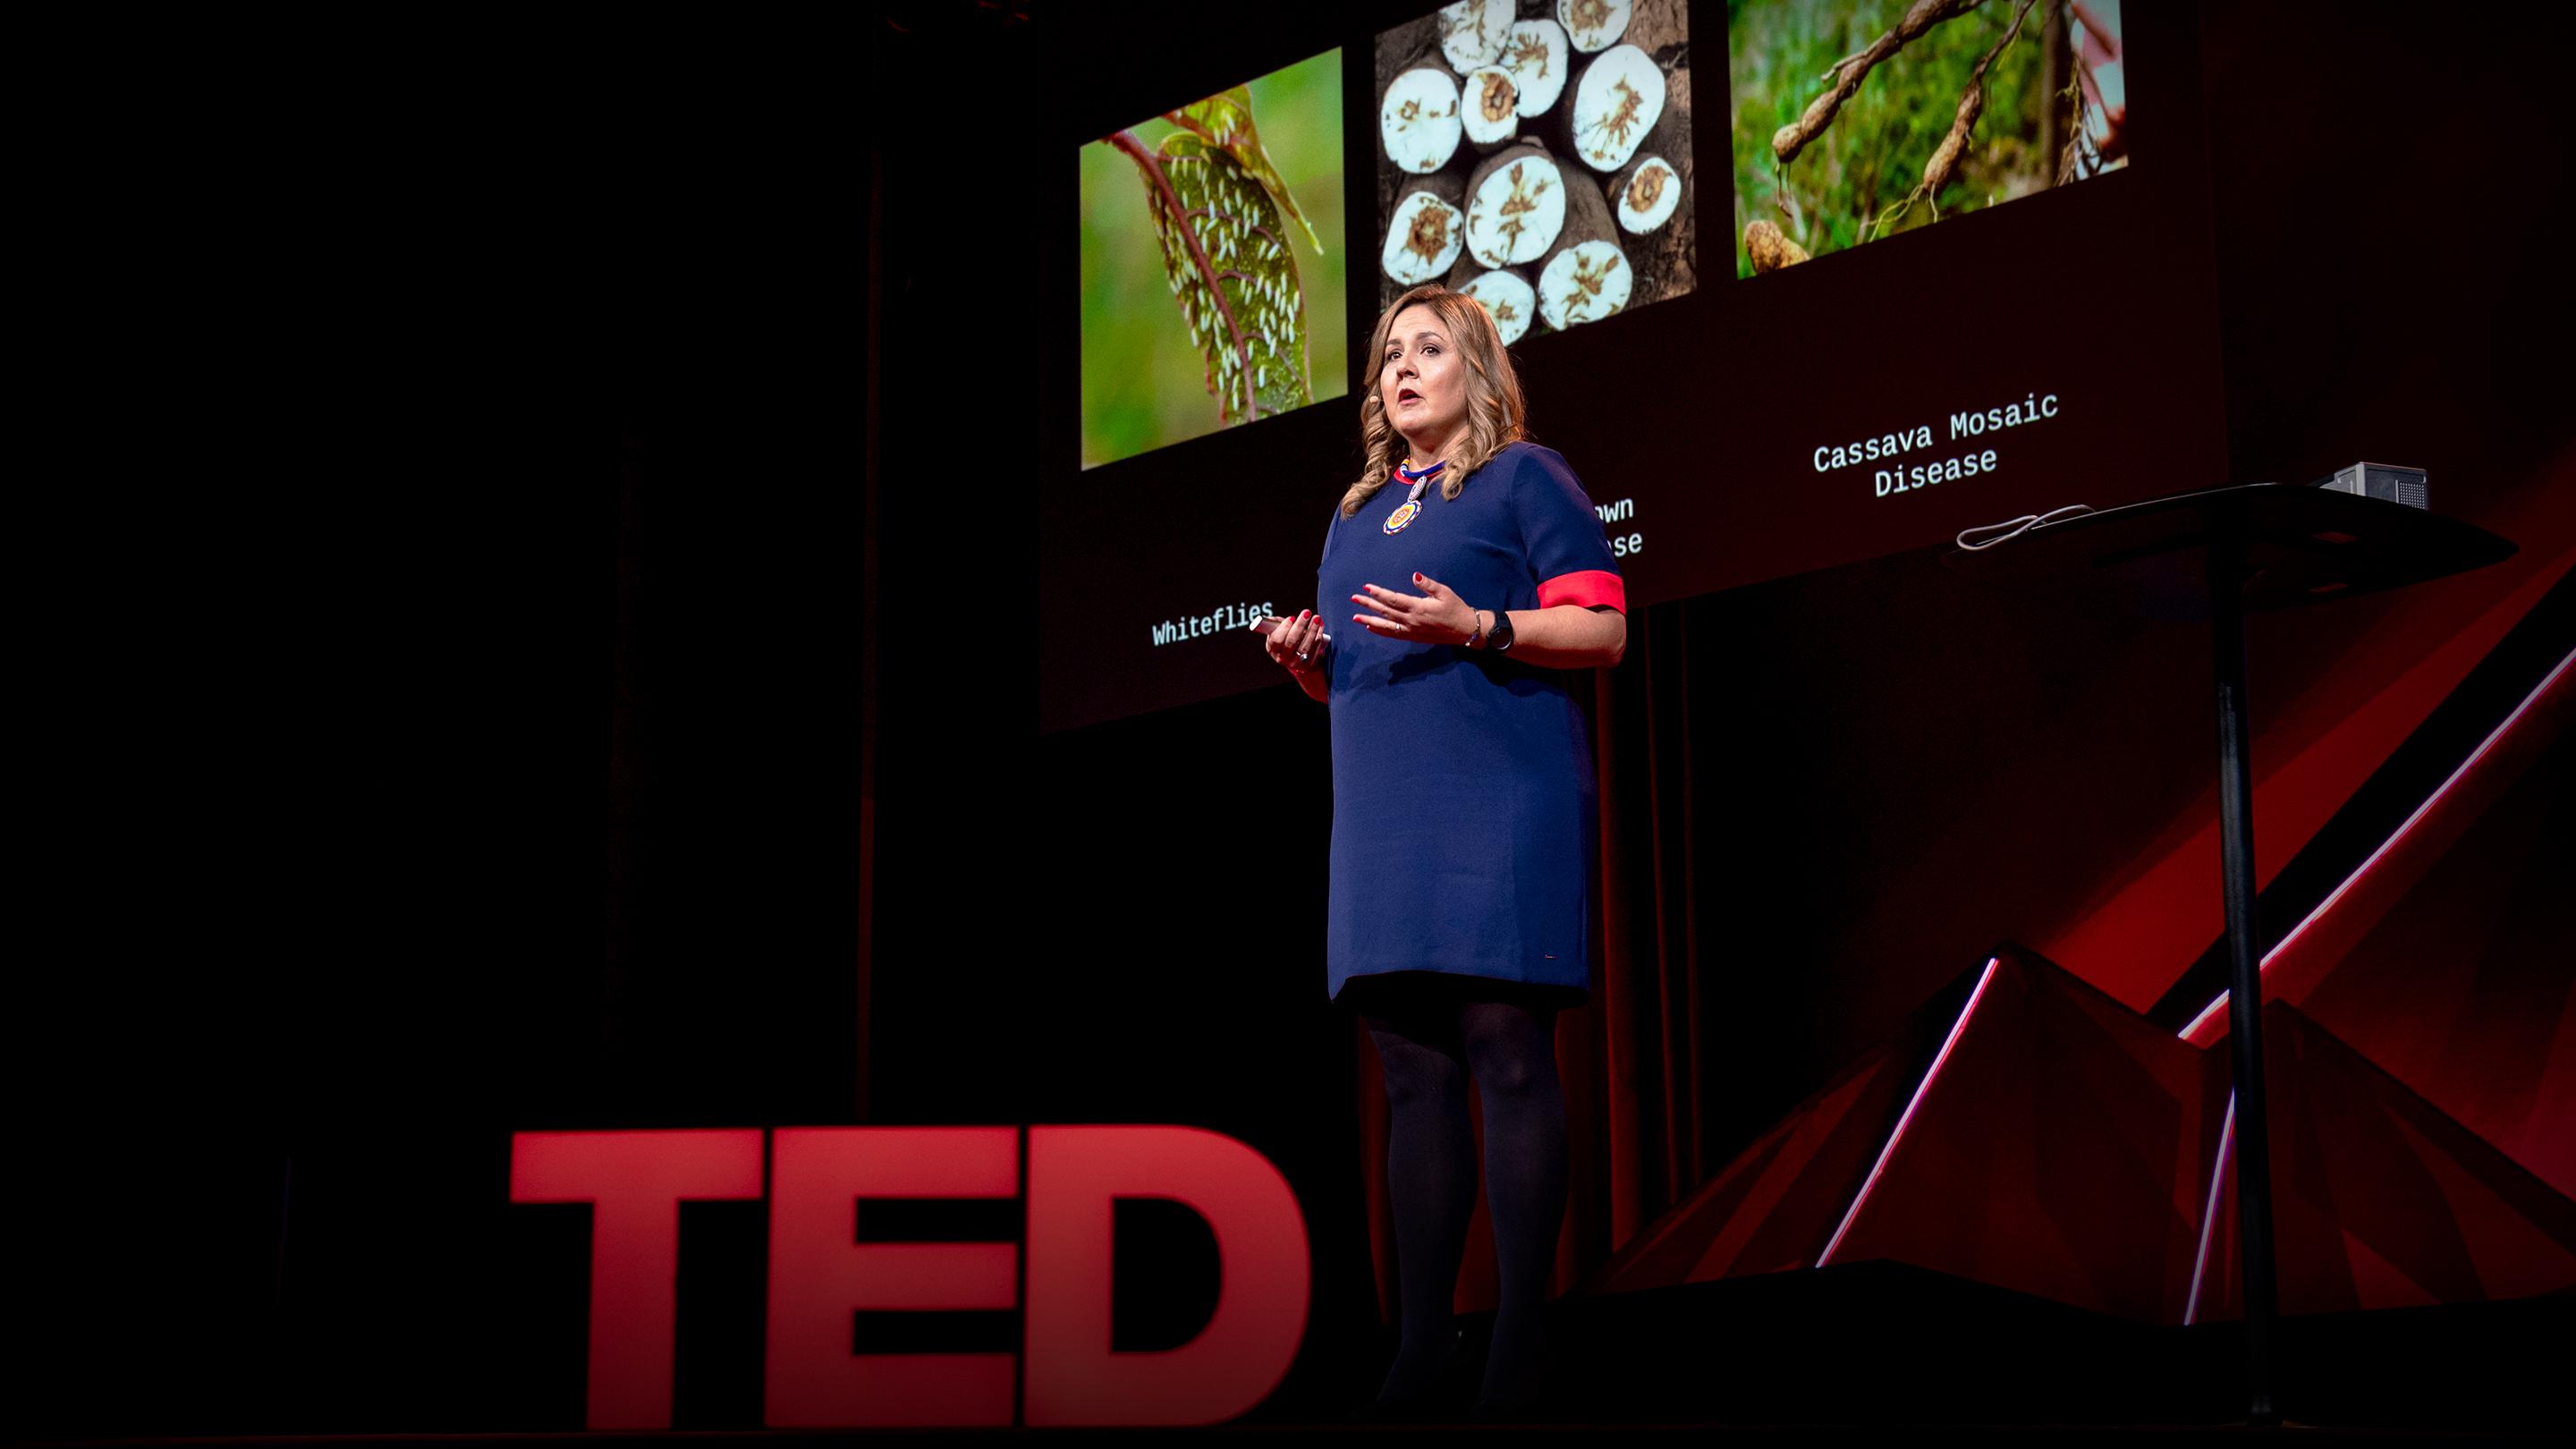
1213	285
1859	119
1536	154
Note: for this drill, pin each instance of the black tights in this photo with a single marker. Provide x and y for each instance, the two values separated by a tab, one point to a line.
1429	1040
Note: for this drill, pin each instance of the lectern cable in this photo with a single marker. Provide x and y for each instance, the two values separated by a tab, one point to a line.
2015	528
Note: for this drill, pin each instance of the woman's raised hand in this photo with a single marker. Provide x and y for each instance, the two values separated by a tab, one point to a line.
1435	616
1298	644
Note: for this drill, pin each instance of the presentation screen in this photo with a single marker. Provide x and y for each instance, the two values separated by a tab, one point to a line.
1836	146
1537	157
1212	264
1791	284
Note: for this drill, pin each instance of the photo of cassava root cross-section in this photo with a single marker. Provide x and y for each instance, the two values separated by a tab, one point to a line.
1859	119
1537	155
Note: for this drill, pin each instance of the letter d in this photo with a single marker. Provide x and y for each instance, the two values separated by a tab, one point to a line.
1075	1175
1882	482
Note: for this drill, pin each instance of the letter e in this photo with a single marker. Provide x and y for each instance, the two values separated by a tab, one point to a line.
819	1275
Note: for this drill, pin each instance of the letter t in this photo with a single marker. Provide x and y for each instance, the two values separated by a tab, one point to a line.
635	1182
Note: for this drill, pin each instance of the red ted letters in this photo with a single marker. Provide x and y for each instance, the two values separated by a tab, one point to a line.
1066	1372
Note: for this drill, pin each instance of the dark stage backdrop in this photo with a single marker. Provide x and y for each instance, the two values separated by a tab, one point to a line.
578	774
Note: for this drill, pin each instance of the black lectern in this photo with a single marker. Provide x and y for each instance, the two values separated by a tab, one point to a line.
2219	555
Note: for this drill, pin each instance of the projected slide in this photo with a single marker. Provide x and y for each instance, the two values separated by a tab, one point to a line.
1213	283
1955	277
1536	154
1858	120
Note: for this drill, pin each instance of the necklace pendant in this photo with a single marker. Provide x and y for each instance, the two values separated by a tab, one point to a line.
1404	513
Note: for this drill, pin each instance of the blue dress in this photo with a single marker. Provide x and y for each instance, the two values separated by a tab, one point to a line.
1464	831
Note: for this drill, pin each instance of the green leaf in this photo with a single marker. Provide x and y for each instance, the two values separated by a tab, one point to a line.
1225	119
1233	276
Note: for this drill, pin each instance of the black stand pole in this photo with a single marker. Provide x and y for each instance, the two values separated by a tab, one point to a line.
2265	547
2245	986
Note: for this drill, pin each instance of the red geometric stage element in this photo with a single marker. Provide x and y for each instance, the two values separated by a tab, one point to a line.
1913	1105
2161	909
2039	1136
2054	1141
2379	1200
1776	1205
2058	1147
2059	1154
2460	984
2489	777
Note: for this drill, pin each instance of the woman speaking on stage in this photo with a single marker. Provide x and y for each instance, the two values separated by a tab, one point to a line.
1467	578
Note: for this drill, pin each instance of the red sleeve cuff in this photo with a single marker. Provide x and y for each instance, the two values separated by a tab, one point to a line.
1592	588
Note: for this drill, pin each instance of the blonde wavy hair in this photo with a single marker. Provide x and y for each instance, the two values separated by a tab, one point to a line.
1495	416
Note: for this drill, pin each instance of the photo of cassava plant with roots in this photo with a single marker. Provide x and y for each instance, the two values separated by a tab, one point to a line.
1859	119
1213	286
1536	155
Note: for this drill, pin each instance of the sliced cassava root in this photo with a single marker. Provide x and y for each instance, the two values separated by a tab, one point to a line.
1537	57
1585	276
1507	298
1489	107
1426	233
1584	283
1418	123
1472	32
1516	205
1646	192
1617	102
1646	195
1593	24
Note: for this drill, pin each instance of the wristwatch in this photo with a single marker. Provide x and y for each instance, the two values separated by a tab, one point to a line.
1500	638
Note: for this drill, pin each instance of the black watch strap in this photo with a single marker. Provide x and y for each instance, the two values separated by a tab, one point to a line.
1500	638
